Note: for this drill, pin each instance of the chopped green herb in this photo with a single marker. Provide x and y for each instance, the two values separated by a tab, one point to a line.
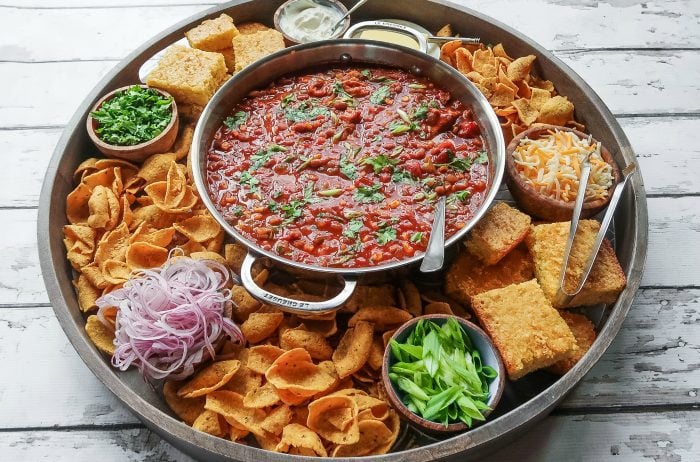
368	194
398	127
287	100
366	73
304	111
272	206
260	158
293	209
440	374
482	158
237	211
247	179
402	176
416	237
463	164
347	168
421	112
235	121
133	116
344	96
386	235
354	227
377	139
463	195
397	150
309	192
380	95
379	162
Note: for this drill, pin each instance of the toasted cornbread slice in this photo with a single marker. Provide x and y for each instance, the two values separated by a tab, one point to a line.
502	228
229	59
213	34
468	277
190	75
251	28
547	244
584	333
527	331
249	48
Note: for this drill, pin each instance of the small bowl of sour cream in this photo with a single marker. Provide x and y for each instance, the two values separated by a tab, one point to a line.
304	21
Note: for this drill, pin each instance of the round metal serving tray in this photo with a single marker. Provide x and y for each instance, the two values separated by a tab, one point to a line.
525	401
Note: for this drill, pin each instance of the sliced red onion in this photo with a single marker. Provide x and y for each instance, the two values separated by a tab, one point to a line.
168	317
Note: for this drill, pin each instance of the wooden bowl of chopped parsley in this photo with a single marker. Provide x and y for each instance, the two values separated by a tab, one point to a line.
134	122
442	373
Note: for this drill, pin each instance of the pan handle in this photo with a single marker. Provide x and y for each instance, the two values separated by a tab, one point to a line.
289	304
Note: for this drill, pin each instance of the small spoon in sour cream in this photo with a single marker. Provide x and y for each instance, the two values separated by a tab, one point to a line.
350	11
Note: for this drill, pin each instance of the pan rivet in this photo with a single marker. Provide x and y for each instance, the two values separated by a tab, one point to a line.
345	58
416	70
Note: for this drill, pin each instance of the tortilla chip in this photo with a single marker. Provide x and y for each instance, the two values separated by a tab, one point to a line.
335	419
116	272
199	228
482	58
260	398
376	354
393	423
372	434
230	405
277	419
313	342
80	244
211	378
209	422
520	68
445	31
187	409
500	52
296	373
556	111
112	246
448	50
526	112
104	208
261	357
383	317
260	326
206	255
77	209
538	97
463	61
502	96
353	349
299	437
142	255
87	293
100	335
244	380
160	237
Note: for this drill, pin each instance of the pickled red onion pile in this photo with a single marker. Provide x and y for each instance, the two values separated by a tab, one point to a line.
169	317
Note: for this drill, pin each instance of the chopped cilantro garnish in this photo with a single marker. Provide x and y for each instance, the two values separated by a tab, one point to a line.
377	139
353	227
309	192
379	162
249	180
272	206
462	164
261	157
366	73
368	194
421	112
338	89
348	168
288	99
416	237
386	235
398	127
235	121
380	95
482	158
133	116
303	112
402	176
293	209
463	195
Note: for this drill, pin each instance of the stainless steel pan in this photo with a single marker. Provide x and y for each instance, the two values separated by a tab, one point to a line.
338	52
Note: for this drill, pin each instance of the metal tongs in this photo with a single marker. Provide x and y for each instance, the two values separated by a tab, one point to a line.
564	297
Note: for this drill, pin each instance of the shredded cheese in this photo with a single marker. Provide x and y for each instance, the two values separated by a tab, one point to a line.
552	166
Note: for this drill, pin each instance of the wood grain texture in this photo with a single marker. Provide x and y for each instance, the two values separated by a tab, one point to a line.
670	437
568	24
649	84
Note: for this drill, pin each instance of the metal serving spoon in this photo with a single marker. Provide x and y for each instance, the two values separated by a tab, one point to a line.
434	256
350	11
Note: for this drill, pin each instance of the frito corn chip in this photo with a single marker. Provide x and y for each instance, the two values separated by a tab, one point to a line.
142	255
234	254
409	298
376	354
291	398
243	303
482	58
211	378
296	373
383	317
353	349
502	96
371	435
556	111
210	422
277	419
101	335
520	68
335	419
500	52
261	357
538	97
77	209
230	405
108	177
295	436
526	112
261	325
183	142
313	342
199	228
154	217
260	398
244	380
104	208
80	244
187	409
172	195
447	51
87	293
463	60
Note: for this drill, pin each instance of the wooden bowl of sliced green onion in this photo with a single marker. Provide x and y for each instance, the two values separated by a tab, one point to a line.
442	373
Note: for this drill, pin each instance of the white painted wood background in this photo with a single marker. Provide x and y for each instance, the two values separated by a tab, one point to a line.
640	402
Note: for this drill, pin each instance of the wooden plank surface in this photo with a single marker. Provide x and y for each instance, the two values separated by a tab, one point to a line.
645	364
670	437
649	84
567	24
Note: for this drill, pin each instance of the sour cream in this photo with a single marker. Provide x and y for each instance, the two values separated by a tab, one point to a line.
307	21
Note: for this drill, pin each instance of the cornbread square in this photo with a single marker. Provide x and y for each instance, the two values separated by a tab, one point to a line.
584	333
213	34
190	75
229	59
527	331
468	277
547	244
251	27
249	48
502	228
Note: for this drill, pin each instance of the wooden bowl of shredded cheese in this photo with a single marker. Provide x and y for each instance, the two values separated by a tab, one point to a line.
543	167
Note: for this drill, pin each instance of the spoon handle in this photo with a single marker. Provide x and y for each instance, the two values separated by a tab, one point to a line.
434	256
350	11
